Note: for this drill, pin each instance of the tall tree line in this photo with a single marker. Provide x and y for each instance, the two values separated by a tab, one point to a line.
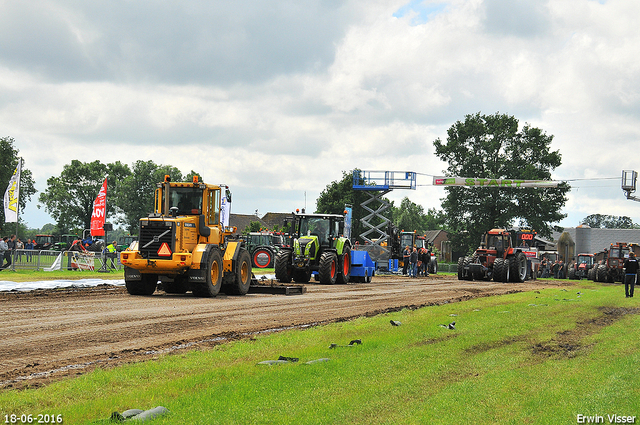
69	197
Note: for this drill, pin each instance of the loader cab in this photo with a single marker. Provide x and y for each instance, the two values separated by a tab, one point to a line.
187	200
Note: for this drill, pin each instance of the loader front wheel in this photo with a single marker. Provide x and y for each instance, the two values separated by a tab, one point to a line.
213	276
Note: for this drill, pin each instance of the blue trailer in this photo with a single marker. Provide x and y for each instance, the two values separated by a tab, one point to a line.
362	266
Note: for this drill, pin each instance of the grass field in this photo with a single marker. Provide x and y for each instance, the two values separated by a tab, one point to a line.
33	276
537	357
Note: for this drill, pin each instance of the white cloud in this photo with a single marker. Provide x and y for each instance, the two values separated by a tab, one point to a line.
279	98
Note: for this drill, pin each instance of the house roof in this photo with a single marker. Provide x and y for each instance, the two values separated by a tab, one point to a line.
242	221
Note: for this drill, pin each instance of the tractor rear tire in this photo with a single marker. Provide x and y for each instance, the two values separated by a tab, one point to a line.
433	266
601	273
518	267
461	273
213	276
145	286
284	268
328	268
345	267
500	270
242	281
262	257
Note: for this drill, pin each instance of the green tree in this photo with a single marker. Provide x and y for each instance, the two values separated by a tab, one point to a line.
598	221
8	161
69	197
411	216
491	146
254	226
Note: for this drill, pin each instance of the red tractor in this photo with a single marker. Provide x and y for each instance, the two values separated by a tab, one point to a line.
496	259
609	268
582	268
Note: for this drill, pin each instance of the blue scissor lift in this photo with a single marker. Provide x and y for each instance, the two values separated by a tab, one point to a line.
376	184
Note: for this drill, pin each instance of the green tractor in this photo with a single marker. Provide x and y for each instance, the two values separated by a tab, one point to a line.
319	246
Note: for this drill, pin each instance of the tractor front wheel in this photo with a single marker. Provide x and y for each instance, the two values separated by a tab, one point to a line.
283	268
328	268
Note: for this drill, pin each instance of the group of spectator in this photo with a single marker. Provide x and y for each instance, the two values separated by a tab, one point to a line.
556	268
416	261
10	245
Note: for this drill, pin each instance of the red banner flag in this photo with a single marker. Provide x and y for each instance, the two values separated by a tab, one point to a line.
99	211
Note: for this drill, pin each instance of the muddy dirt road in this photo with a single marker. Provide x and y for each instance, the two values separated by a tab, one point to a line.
49	334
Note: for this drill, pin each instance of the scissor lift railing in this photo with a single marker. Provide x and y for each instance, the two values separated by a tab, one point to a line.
376	184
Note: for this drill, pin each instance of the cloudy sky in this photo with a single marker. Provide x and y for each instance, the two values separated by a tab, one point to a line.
276	98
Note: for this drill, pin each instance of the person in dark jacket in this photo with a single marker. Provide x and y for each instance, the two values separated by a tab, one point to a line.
425	258
630	273
406	256
414	262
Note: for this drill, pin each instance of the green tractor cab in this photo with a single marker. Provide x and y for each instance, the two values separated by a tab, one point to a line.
319	246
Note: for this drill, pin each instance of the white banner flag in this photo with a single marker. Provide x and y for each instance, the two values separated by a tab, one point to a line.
225	209
12	195
486	182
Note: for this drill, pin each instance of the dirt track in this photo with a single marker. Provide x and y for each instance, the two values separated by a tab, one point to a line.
47	335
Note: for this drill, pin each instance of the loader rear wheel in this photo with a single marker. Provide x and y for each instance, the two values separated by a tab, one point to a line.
242	281
145	286
213	276
345	266
328	268
518	267
284	269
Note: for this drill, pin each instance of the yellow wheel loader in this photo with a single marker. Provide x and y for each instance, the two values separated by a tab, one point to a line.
185	245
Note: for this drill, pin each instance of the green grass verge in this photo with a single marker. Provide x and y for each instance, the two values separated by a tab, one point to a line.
34	276
536	357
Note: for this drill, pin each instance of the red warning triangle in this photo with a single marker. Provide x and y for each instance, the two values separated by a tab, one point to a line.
164	250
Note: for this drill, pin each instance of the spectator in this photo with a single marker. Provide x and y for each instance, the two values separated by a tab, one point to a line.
11	249
111	250
28	248
414	262
406	256
6	253
77	246
561	270
19	249
555	268
545	267
630	274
